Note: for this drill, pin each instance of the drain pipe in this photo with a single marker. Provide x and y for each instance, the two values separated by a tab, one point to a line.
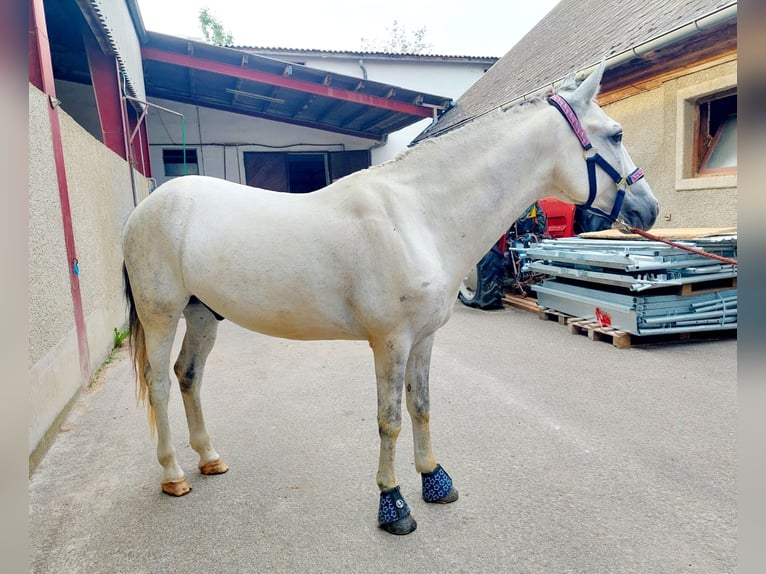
676	35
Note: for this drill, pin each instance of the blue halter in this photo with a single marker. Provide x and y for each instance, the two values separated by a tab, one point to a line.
593	158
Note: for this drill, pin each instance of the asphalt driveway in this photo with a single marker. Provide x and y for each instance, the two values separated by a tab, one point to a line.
570	456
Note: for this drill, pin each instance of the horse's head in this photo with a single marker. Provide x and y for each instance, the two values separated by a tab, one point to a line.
594	168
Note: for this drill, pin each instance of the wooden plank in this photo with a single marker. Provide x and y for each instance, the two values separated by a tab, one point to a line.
708	287
628	83
667	233
524	303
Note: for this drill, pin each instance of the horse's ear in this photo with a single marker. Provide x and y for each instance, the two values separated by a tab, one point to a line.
569	83
589	88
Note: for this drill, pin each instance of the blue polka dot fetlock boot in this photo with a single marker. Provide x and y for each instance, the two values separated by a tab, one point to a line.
394	513
437	486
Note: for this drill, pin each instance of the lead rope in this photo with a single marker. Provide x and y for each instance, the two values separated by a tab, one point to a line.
625	227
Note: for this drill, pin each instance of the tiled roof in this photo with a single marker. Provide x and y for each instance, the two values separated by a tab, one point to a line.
294	52
573	35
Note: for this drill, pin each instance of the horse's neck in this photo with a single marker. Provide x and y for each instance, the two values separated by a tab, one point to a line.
476	183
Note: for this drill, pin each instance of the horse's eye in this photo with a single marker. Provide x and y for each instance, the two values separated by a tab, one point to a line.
617	138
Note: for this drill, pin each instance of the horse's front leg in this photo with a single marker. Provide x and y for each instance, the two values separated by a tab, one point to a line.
390	364
201	329
437	484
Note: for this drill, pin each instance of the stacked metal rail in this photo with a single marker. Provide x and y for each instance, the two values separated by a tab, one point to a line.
639	286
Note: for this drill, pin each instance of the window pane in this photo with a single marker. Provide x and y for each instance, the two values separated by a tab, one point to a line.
724	153
174	169
174	162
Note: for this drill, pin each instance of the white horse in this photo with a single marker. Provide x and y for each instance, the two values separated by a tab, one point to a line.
377	256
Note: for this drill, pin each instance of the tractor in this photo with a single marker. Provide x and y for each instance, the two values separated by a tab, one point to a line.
501	270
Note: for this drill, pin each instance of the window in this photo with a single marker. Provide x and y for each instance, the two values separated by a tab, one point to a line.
706	134
716	135
300	172
173	159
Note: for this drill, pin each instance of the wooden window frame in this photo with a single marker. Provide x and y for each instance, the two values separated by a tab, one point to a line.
686	176
705	142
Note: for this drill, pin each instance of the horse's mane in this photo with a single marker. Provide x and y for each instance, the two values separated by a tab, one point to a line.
511	114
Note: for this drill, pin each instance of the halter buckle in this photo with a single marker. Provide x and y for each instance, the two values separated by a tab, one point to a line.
589	153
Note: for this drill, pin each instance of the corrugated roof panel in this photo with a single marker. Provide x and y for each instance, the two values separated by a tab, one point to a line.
118	26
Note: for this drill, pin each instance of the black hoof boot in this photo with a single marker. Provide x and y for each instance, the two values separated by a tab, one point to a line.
437	486
394	513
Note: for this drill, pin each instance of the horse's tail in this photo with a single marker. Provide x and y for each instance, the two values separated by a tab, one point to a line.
138	352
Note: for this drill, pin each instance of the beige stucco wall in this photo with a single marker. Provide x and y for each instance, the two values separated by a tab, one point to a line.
658	131
101	198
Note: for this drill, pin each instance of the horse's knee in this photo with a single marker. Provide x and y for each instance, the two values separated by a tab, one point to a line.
187	372
389	429
159	390
418	405
390	421
420	410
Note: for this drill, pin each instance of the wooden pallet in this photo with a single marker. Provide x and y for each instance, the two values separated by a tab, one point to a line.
624	340
547	314
596	332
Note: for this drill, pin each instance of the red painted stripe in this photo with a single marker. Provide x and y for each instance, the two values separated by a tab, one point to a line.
277	80
45	68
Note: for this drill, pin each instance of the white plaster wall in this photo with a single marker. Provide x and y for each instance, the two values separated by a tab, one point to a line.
217	135
101	198
49	298
650	121
447	78
54	371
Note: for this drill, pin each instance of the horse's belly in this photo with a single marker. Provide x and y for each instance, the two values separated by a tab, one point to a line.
303	322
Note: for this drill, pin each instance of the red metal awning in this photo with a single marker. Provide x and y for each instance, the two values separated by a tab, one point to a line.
236	81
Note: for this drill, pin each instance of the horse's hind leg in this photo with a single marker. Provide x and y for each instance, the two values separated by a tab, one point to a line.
201	329
437	484
159	341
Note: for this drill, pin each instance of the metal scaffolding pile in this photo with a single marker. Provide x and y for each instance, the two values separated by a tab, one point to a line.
638	286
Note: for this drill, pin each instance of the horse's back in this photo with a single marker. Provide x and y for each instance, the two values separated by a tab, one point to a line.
257	257
330	264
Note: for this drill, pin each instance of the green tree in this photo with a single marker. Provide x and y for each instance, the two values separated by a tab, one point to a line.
398	41
213	30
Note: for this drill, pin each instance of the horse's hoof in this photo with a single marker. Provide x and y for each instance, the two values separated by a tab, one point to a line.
214	467
437	486
394	513
176	487
402	526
